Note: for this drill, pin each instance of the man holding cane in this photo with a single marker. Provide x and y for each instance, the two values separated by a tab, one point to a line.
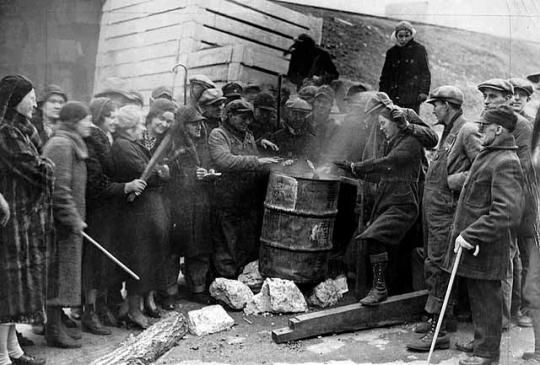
487	215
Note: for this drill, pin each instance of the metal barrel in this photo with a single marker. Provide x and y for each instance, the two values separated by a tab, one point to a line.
298	226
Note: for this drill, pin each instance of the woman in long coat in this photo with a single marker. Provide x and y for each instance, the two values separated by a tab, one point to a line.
190	191
102	197
26	184
142	225
68	151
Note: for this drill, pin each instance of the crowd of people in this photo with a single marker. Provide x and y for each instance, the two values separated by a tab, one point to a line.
190	181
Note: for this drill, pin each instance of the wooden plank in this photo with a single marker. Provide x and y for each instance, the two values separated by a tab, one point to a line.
353	317
276	11
211	56
159	50
278	65
248	74
118	4
148	67
144	39
134	9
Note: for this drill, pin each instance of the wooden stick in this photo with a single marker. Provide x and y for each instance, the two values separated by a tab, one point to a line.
109	255
445	303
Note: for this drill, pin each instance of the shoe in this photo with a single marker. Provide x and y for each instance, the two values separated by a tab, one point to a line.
56	334
152	312
138	319
23	341
477	360
26	359
68	322
91	324
423	327
465	346
106	316
424	342
378	292
524	321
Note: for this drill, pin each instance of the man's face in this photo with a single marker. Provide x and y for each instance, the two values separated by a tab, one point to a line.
52	106
441	111
296	118
194	129
403	36
322	106
264	116
520	100
241	120
488	133
388	127
493	98
214	110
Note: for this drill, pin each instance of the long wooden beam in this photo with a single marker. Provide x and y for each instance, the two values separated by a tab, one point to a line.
397	309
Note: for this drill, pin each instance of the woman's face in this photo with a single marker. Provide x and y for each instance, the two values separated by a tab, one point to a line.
403	36
52	106
161	123
388	127
27	104
110	122
194	129
83	126
136	133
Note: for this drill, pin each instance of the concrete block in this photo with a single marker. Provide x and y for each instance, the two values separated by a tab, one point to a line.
209	320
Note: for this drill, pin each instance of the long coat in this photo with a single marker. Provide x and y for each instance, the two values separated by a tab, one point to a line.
142	226
488	212
68	152
396	205
102	198
405	73
26	182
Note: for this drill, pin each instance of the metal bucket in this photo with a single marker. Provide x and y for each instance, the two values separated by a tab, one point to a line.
297	228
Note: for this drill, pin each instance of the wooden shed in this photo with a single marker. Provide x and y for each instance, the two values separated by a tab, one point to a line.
226	40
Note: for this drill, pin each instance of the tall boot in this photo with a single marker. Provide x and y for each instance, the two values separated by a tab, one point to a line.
55	332
135	315
378	292
534	357
423	343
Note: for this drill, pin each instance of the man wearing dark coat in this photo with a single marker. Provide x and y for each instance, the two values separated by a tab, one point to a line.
405	76
484	226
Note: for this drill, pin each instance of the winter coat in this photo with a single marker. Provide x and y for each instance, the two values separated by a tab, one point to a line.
460	144
397	198
300	145
142	226
316	62
68	151
235	155
102	198
488	212
405	73
190	198
26	182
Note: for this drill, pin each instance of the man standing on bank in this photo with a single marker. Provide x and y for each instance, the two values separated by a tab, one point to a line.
485	223
460	144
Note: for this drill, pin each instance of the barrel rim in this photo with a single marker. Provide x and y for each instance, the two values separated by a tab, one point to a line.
334	178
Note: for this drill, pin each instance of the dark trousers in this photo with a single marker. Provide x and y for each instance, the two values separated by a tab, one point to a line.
196	271
437	281
486	308
531	291
525	246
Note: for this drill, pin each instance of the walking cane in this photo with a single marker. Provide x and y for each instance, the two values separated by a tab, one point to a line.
446	298
109	255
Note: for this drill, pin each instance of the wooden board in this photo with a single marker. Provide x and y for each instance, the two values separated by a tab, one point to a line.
353	317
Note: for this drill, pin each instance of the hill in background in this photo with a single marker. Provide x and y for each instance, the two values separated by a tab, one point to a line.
457	57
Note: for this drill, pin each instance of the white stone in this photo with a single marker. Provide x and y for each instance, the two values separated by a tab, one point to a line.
326	294
260	303
209	320
252	277
341	283
231	292
277	296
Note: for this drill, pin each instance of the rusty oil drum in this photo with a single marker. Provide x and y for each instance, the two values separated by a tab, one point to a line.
298	225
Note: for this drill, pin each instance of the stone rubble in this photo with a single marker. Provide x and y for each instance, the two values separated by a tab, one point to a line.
324	295
277	296
252	277
231	292
209	320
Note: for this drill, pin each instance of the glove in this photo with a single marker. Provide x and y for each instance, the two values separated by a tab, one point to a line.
345	165
422	97
399	117
460	241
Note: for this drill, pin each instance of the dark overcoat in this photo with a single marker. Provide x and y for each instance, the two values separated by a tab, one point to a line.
26	182
488	212
68	151
405	73
396	205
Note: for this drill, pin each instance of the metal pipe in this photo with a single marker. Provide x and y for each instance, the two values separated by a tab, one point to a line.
174	70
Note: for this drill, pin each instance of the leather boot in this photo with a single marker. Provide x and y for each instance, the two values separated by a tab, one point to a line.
534	357
91	323
378	292
135	316
55	332
423	343
105	315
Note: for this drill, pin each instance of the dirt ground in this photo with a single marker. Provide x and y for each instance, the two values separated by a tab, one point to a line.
251	343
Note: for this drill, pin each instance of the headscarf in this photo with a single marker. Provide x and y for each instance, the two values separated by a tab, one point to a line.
13	89
72	112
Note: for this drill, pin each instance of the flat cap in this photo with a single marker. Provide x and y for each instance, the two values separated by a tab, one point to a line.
355	89
522	84
211	96
202	80
52	89
325	91
502	115
239	106
497	84
378	101
252	87
308	92
298	104
162	91
264	100
188	114
232	89
534	77
447	93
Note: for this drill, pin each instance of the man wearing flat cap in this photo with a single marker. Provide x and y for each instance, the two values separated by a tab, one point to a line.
486	219
161	92
197	85
310	61
212	102
232	91
264	112
448	170
523	90
50	102
499	92
237	205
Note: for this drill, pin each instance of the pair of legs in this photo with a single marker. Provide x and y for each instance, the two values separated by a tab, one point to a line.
9	346
531	293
